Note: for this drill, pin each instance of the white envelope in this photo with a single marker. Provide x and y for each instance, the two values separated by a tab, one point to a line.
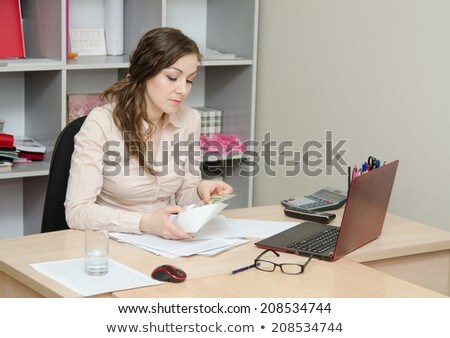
193	219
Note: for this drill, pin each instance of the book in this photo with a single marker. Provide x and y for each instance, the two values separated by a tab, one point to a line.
21	161
212	54
8	152
11	30
87	41
8	149
5	166
25	144
211	120
31	156
6	158
6	140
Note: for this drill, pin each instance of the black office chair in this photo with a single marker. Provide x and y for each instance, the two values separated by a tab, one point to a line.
54	216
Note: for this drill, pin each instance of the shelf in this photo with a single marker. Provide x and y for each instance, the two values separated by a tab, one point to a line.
226	62
29	64
41	168
121	61
33	169
98	62
36	168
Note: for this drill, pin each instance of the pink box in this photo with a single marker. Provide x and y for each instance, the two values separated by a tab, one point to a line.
81	105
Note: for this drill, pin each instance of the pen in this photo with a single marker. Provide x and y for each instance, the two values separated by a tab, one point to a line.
242	269
349	179
355	172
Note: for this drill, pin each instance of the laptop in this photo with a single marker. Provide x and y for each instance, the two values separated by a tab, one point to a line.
362	222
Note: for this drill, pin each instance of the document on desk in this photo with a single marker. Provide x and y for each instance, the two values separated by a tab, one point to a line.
70	273
178	248
218	235
223	227
195	217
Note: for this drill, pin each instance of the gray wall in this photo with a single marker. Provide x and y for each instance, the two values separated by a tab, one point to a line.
375	73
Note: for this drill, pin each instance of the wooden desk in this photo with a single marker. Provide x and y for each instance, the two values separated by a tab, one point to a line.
344	277
406	249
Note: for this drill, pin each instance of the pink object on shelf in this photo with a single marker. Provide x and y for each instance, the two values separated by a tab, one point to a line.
81	104
222	143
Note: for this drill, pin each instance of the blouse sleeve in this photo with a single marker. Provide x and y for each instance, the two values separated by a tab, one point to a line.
86	181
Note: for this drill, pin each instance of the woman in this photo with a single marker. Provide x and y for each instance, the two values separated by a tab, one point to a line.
134	153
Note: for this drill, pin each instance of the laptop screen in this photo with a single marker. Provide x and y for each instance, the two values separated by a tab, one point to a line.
366	208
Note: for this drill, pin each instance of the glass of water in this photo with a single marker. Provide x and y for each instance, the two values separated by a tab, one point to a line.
96	238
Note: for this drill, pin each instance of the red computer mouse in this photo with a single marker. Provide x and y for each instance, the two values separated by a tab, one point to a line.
169	273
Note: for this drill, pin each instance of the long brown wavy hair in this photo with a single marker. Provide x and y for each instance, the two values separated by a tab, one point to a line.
157	49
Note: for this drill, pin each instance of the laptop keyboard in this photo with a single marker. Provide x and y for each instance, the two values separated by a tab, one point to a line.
319	243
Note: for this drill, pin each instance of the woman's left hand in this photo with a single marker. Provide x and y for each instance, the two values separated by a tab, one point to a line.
206	189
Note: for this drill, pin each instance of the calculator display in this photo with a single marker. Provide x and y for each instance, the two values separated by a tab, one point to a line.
324	199
328	195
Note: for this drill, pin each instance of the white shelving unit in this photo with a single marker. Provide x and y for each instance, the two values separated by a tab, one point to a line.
33	91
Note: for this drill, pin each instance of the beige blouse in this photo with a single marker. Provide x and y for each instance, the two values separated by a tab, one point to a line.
104	186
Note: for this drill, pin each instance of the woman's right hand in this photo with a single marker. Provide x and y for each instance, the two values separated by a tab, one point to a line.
158	223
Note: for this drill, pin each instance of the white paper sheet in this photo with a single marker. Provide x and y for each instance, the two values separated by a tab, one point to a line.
176	248
218	235
222	227
195	218
70	273
235	242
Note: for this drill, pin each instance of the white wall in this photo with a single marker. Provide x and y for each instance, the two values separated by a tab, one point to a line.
376	73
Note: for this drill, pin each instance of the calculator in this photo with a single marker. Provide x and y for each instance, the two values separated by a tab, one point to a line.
328	198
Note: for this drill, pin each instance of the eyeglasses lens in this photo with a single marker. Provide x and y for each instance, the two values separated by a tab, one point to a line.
291	269
265	266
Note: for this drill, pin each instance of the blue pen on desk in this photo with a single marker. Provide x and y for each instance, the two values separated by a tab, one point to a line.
242	269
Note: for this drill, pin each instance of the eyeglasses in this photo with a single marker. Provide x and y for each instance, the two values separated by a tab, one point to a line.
287	268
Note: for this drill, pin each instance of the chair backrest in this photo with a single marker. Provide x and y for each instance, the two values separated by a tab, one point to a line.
54	215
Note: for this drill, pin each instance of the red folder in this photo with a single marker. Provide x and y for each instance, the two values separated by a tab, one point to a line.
31	156
6	140
11	30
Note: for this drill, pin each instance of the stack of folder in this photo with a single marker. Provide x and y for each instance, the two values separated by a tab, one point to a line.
8	152
29	149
